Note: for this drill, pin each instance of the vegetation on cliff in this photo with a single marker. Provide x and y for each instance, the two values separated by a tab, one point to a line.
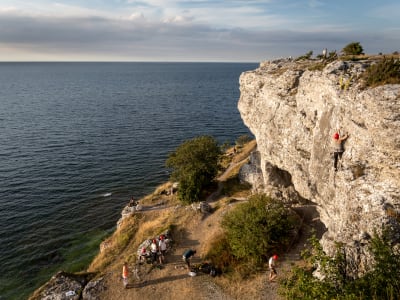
382	281
353	48
385	71
195	165
253	231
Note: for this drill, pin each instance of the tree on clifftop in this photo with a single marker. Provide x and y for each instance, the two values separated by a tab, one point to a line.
195	165
354	48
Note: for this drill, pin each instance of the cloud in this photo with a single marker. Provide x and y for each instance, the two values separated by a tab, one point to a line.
143	31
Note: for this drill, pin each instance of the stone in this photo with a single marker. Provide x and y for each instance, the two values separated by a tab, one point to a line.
93	289
62	286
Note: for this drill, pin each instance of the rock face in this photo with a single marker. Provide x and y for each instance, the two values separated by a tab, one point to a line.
293	113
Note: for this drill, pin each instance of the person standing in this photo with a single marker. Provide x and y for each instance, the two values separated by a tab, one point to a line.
338	147
162	246
154	251
125	274
187	256
272	267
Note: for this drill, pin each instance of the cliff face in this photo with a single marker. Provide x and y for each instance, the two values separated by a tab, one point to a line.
293	113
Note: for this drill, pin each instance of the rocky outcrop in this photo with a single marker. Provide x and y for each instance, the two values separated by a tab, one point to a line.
65	285
293	113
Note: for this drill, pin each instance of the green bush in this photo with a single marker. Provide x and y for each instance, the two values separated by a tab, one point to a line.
353	48
386	71
305	56
195	164
258	228
381	282
220	254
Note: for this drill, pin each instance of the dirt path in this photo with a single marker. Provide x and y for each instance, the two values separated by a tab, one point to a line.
172	281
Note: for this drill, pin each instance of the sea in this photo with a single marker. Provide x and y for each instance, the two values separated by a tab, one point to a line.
77	140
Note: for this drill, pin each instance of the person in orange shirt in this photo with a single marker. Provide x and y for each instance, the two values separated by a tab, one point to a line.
125	274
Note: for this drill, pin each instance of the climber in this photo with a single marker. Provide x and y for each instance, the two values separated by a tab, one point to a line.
338	147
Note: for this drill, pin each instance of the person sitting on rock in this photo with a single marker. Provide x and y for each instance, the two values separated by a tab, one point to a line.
132	202
143	254
338	148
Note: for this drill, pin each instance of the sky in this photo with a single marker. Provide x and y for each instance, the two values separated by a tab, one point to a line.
192	30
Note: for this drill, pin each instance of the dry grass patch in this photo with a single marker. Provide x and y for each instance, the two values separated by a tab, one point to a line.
133	231
245	151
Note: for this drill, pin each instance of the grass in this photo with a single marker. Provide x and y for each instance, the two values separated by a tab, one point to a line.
385	71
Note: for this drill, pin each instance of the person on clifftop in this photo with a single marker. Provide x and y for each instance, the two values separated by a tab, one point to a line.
338	147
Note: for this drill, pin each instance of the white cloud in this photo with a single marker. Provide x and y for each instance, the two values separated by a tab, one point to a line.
150	30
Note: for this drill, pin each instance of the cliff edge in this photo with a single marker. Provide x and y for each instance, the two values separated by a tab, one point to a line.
293	110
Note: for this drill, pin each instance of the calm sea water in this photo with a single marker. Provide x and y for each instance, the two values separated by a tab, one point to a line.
78	139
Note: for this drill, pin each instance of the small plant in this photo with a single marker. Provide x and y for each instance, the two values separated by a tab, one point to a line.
305	56
386	71
345	84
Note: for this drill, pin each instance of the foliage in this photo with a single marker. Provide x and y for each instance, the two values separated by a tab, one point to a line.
305	56
319	66
195	164
243	139
353	48
257	228
220	254
386	71
381	282
225	146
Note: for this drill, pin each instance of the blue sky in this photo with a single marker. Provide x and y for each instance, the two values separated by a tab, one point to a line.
192	30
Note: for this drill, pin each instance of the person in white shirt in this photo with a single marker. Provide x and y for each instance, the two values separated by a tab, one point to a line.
272	265
162	246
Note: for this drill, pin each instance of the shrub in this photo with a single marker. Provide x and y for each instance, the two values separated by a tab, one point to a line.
305	56
381	282
353	48
220	254
243	139
195	164
386	71
257	228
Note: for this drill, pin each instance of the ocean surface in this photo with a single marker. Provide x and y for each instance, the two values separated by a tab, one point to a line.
77	140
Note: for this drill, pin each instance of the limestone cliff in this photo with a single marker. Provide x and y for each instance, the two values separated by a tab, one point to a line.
293	113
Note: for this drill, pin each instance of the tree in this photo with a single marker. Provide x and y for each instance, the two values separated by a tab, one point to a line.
195	164
353	48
